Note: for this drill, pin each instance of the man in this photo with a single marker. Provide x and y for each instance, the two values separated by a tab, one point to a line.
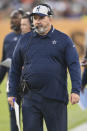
84	74
9	44
84	64
26	23
45	53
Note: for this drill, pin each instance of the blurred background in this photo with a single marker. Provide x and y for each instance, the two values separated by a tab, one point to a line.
61	8
70	17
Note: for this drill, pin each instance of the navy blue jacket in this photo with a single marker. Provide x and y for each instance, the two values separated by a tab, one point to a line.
45	60
84	75
9	44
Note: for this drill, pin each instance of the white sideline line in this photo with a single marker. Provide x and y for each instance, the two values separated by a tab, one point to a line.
82	127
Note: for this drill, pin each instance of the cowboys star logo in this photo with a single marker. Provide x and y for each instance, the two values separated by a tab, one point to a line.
38	8
54	42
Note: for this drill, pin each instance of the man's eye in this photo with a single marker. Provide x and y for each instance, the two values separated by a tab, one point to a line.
35	17
42	17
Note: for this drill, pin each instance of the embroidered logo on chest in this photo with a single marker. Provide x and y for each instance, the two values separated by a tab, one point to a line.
15	39
54	42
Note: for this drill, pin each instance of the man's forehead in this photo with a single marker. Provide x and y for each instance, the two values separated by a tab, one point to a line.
25	20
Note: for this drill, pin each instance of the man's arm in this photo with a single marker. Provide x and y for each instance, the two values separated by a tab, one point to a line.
3	69
15	71
72	60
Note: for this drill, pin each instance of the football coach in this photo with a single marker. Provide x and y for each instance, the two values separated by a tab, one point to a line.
45	54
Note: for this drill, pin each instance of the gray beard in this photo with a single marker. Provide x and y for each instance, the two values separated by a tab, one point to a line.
40	30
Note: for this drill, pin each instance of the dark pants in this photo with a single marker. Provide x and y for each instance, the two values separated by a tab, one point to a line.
35	108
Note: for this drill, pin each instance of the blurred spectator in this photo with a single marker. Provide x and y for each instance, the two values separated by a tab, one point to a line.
61	8
27	1
4	4
27	4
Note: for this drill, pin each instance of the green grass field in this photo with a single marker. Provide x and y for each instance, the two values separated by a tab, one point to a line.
75	115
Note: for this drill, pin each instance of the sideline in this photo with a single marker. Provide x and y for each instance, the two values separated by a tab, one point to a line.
82	127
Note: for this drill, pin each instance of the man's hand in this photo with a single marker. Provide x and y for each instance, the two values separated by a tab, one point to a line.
10	101
74	98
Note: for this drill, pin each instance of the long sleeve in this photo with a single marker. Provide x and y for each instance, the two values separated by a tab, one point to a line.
15	71
72	60
3	69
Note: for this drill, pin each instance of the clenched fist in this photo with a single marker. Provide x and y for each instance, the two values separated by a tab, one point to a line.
74	98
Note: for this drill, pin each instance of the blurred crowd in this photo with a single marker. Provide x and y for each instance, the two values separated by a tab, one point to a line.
61	8
69	8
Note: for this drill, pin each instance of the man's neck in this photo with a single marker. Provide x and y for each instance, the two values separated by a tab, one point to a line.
17	32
